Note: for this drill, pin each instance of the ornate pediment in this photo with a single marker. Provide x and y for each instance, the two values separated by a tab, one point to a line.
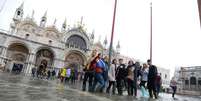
52	33
28	25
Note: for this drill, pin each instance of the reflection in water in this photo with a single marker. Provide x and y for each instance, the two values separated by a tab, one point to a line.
20	88
60	88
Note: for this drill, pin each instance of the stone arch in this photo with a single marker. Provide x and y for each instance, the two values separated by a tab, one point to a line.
44	56
17	54
9	43
75	59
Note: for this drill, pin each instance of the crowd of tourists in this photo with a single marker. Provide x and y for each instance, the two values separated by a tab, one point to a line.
114	78
119	77
43	73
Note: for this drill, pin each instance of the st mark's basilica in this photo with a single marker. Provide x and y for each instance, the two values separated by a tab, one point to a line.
27	45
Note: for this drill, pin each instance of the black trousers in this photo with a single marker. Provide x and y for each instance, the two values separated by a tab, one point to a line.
88	75
120	85
152	87
142	84
111	83
132	87
174	88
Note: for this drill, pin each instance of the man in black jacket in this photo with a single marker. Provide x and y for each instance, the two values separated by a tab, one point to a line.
120	76
151	79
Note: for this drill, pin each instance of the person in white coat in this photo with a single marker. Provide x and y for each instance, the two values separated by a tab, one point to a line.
112	76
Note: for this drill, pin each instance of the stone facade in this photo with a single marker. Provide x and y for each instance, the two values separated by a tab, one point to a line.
27	44
189	79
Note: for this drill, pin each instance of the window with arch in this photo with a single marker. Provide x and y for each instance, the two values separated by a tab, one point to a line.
77	41
193	81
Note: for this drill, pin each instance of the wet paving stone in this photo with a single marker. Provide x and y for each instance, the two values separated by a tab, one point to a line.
21	88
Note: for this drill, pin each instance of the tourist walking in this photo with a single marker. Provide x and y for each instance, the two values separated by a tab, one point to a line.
68	75
173	85
99	76
53	74
144	78
48	74
151	79
63	74
130	78
136	80
158	83
33	71
105	70
111	77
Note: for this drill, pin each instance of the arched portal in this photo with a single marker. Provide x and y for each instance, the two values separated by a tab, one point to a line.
17	54
45	57
74	60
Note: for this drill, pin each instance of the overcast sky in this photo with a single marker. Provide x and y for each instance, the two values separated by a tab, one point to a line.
176	28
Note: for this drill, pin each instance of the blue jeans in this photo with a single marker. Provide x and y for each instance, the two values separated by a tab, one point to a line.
98	79
158	87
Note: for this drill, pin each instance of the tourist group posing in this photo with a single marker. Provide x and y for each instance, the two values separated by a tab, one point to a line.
119	76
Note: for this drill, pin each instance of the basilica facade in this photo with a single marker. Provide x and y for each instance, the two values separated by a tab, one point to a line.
27	44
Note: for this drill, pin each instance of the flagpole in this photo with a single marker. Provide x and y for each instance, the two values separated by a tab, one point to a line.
151	32
112	33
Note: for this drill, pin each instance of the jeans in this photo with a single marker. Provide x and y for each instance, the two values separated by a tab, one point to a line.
98	79
158	87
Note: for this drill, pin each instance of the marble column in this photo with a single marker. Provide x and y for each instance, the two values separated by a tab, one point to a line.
189	85
3	54
27	64
197	87
30	62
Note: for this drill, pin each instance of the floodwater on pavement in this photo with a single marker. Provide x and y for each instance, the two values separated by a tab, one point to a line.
20	88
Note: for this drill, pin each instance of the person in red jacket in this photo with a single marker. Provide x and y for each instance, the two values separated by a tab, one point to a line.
98	75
